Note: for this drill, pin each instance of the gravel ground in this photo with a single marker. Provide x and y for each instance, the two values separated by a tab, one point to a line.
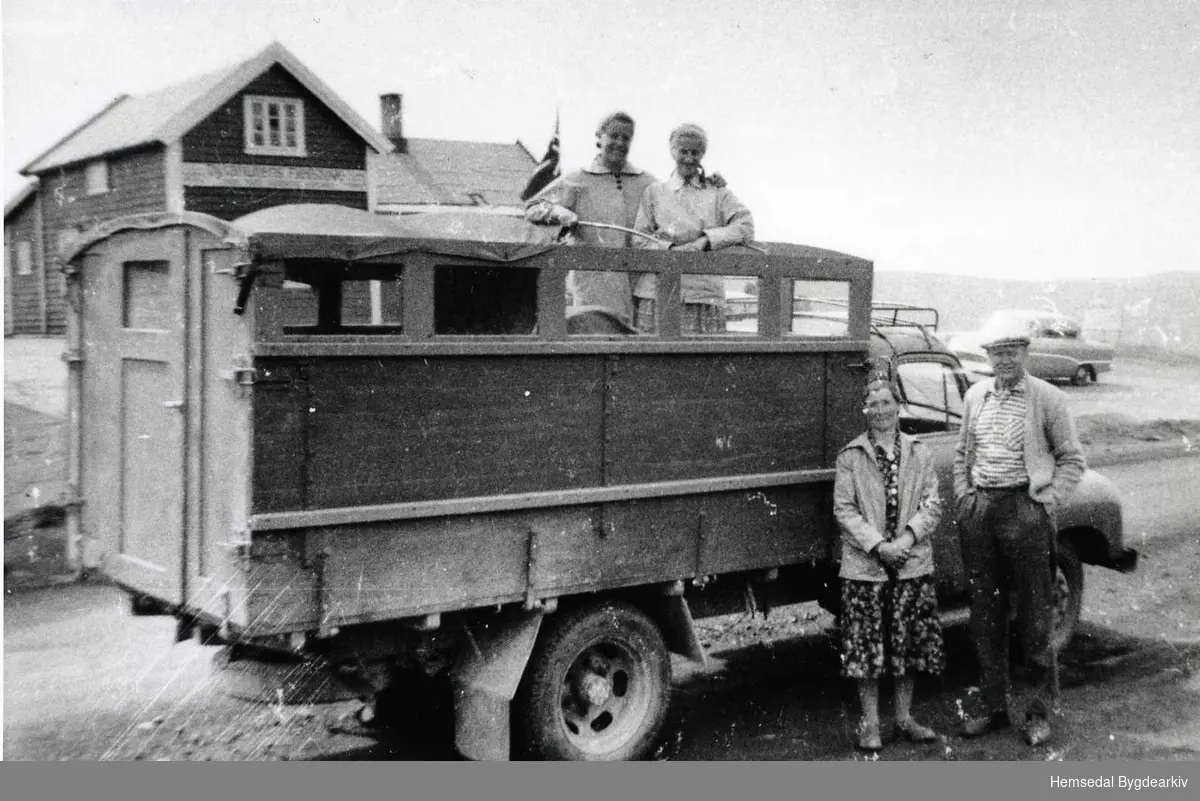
35	375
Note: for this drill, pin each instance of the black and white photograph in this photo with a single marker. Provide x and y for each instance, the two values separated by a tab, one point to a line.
621	380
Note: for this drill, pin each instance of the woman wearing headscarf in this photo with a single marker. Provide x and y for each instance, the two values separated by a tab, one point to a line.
690	211
606	191
887	506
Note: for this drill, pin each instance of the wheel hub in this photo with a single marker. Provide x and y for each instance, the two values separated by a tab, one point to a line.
594	690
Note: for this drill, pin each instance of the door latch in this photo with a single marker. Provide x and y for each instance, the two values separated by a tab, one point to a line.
242	376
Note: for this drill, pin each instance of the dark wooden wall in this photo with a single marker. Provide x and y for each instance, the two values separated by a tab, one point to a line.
137	184
343	432
219	139
24	289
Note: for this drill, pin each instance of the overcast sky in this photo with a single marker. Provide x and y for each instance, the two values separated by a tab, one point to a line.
1034	139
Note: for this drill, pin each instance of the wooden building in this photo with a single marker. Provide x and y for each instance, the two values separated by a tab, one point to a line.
264	132
421	174
25	290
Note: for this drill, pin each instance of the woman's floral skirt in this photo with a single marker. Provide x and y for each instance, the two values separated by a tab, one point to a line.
890	628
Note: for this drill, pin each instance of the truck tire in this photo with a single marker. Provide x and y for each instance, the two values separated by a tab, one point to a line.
1068	603
1082	375
596	688
1068	594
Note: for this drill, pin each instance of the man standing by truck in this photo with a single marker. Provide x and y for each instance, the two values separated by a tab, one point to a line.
1017	460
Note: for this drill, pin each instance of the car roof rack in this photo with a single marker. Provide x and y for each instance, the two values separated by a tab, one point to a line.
881	309
886	315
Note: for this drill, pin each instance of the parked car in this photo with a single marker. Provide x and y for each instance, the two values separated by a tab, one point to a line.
1057	349
974	359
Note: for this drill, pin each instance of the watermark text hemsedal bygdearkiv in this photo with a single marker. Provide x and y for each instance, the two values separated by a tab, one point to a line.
1120	782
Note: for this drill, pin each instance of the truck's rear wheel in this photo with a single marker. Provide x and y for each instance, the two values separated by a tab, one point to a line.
596	688
1068	603
1068	595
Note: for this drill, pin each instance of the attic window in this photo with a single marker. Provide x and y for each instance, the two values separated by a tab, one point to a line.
97	178
274	125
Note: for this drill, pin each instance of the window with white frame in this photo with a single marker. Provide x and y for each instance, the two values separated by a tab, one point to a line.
274	125
97	178
24	257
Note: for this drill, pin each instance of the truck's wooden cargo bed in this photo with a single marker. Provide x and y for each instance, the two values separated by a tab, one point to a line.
282	469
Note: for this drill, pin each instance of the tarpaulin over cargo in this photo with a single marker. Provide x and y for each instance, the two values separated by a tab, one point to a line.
337	233
314	231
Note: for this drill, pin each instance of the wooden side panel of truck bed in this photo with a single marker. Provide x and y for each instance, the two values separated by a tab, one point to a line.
336	433
358	431
339	575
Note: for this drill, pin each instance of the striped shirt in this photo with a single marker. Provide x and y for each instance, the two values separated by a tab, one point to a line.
999	431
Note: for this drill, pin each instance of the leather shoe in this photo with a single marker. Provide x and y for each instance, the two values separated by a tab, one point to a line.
911	730
1037	730
977	725
868	737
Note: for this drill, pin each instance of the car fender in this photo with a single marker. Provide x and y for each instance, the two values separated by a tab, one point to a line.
1092	512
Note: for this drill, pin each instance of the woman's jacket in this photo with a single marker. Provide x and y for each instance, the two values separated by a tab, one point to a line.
860	508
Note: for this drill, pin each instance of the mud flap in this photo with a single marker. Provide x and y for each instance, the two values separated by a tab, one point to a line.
485	678
674	619
1126	561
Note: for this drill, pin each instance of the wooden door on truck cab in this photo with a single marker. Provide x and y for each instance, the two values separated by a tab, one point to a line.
133	408
844	379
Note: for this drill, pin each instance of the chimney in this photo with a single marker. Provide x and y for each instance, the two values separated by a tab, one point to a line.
391	112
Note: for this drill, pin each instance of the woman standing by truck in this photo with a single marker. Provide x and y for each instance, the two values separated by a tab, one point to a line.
887	506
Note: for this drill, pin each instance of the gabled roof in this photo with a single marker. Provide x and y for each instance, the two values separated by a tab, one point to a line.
19	199
167	114
448	172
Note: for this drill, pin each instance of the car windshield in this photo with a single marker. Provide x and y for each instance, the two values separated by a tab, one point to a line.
932	397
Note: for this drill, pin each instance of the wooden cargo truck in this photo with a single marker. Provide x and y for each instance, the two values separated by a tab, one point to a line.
377	443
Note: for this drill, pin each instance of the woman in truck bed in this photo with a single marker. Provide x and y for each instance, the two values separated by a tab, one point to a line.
607	191
887	506
690	211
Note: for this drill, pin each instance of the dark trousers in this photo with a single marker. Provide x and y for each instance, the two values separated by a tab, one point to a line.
1006	541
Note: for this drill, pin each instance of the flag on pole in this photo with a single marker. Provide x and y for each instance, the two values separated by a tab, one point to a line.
547	170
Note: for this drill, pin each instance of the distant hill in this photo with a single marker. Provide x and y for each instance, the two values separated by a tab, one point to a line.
1159	310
